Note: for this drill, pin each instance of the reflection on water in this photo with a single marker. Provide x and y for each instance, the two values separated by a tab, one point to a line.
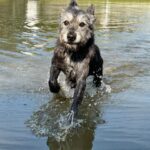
28	31
50	119
32	13
105	20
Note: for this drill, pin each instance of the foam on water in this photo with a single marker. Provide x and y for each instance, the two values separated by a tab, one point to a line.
66	91
91	90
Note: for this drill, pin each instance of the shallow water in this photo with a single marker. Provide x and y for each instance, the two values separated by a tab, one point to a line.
32	118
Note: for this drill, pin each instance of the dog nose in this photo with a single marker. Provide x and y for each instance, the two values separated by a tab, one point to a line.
71	36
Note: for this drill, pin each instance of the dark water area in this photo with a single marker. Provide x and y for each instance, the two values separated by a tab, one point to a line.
31	117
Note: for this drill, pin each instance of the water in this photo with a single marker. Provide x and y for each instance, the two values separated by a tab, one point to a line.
32	118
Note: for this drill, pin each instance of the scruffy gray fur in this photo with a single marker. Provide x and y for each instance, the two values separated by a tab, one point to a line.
76	54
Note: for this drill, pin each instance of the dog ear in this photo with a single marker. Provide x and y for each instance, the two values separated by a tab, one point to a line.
62	13
91	9
73	3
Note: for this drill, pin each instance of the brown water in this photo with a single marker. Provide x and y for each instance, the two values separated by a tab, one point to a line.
107	121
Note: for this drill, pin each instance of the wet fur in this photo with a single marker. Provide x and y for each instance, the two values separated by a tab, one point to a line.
76	60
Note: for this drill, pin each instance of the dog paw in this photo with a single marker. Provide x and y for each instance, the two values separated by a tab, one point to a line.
54	87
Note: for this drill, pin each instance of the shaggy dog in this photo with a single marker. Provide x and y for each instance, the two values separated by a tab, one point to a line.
76	53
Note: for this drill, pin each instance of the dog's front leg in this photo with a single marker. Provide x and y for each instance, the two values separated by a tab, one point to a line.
78	95
77	98
98	75
98	71
53	84
80	87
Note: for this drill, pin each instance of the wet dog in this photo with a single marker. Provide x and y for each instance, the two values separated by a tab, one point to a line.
76	53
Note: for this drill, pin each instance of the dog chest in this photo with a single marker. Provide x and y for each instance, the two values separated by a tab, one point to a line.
70	67
74	67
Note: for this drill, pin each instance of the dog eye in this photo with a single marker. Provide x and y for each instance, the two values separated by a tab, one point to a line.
82	24
66	23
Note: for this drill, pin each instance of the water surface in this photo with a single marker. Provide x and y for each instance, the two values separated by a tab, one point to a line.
109	121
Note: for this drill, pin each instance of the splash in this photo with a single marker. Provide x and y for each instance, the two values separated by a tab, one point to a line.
58	130
67	127
91	90
65	91
52	119
105	87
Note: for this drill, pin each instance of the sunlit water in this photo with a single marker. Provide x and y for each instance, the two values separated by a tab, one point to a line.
32	118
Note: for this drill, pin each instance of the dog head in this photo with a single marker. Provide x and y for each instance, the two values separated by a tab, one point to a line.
76	25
